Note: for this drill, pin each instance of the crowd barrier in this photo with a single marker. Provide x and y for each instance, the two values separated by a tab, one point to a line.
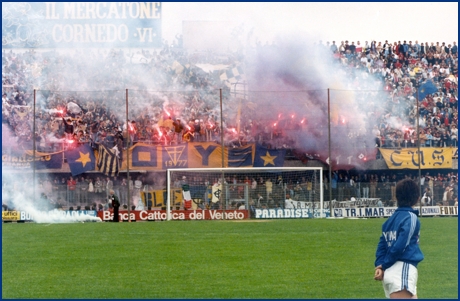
270	213
124	215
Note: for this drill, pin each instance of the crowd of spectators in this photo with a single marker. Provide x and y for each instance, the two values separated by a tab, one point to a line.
95	117
67	111
443	187
264	190
403	68
192	115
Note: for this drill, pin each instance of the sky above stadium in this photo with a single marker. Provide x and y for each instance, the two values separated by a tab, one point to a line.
422	21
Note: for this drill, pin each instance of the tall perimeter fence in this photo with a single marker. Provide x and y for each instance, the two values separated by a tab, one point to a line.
76	146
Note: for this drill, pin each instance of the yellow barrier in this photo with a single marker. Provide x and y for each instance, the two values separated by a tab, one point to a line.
11	215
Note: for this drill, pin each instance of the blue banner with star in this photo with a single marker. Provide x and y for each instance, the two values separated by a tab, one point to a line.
81	159
266	157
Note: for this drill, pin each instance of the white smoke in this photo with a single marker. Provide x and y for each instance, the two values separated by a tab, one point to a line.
297	74
18	194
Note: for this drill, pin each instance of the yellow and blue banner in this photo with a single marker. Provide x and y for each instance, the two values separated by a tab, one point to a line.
408	158
46	160
107	161
241	156
145	155
188	155
175	156
205	154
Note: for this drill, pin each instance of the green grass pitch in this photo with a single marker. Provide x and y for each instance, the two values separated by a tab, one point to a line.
273	259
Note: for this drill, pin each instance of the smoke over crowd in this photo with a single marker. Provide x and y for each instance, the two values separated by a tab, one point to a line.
296	86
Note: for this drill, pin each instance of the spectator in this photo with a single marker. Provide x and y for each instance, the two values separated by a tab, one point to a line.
71	186
427	198
108	186
333	47
114	201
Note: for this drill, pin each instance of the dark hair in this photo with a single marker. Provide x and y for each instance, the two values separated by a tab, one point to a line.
407	193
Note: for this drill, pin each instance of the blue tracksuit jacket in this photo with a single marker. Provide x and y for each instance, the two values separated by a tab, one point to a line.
400	239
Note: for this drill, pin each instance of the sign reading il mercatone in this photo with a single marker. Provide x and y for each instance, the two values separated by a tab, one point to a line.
81	24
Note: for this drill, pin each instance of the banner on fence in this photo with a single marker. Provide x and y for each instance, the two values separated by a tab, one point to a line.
273	213
388	211
26	159
408	158
149	157
11	215
188	155
62	216
278	213
161	215
448	210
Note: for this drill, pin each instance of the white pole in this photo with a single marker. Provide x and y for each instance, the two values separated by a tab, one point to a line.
168	198
321	193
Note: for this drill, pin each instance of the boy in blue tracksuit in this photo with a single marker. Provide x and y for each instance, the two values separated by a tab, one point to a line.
398	251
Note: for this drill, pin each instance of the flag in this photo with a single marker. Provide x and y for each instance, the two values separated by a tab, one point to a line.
175	156
426	88
144	155
46	160
266	157
187	196
204	154
186	192
107	161
80	159
210	68
50	161
73	108
232	76
240	156
177	67
216	191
